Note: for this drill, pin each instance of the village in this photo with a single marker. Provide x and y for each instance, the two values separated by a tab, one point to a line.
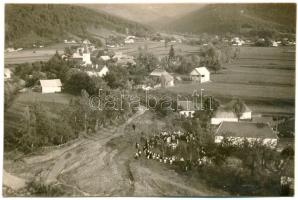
204	114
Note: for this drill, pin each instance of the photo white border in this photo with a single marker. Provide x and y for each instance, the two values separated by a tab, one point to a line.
2	3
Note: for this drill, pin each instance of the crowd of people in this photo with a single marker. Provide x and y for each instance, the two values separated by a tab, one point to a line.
166	147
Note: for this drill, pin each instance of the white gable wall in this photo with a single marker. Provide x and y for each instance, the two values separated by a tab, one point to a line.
50	89
217	121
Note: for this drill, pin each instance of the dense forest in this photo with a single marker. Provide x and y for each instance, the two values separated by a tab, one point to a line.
26	24
238	18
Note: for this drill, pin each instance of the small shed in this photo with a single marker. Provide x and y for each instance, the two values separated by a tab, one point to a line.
50	86
200	74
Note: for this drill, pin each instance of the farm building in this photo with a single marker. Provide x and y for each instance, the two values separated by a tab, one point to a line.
200	74
186	108
226	113
50	86
7	74
237	132
166	80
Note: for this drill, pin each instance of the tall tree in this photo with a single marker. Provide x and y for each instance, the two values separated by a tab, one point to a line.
238	108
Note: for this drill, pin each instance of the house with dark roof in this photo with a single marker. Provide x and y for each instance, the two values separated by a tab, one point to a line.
237	132
186	108
226	113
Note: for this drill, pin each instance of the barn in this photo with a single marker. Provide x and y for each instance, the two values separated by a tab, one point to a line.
237	132
200	74
50	86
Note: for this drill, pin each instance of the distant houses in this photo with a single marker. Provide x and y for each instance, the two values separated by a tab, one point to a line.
200	74
129	39
50	85
123	60
186	108
227	114
238	132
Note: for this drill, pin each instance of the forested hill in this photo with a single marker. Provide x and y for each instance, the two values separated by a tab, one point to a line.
29	23
234	18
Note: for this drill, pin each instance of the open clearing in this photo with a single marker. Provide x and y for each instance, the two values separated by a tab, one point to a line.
259	75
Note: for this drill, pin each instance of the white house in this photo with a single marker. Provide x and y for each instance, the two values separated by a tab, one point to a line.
50	86
129	41
236	41
226	113
86	56
237	132
186	108
86	42
274	44
7	74
105	58
200	74
98	72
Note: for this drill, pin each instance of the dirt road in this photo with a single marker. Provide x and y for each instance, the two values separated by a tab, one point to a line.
103	165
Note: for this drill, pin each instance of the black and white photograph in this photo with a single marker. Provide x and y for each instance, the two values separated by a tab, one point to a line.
148	99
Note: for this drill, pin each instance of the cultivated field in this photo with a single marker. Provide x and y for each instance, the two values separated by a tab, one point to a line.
157	48
263	77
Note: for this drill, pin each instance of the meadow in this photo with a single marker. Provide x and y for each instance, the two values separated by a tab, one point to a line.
34	54
263	76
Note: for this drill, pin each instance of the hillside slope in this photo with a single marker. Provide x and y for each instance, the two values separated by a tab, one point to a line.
234	18
29	23
150	14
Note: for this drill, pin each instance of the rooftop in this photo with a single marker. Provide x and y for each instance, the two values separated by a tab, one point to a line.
245	129
158	72
200	70
51	83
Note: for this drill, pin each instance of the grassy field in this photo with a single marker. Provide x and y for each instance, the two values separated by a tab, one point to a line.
264	77
28	55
